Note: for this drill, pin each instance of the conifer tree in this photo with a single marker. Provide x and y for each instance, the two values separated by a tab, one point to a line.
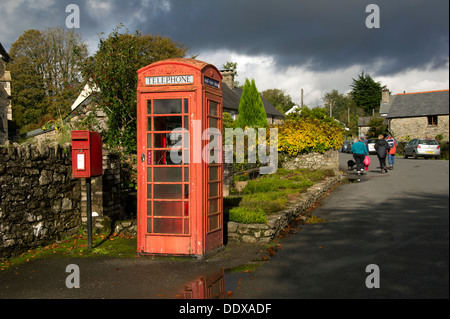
251	107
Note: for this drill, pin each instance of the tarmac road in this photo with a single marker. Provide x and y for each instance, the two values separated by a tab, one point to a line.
397	221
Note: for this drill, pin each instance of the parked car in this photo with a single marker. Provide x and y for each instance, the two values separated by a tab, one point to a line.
371	145
423	147
347	146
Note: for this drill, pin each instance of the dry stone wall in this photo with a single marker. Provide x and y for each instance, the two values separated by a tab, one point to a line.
41	202
39	199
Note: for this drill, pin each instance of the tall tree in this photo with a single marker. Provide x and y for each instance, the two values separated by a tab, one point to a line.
366	93
112	70
46	75
279	99
251	107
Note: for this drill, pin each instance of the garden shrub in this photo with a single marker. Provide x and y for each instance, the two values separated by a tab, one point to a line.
309	131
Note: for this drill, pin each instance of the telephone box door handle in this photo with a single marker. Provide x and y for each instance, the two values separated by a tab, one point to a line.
143	158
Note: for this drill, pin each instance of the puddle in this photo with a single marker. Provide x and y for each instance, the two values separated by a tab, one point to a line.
220	284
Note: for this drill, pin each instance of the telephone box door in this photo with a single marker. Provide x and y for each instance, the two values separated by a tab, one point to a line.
165	175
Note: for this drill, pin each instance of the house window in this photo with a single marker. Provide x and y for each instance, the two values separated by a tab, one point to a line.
432	120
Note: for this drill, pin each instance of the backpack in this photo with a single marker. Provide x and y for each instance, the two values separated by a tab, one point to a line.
391	142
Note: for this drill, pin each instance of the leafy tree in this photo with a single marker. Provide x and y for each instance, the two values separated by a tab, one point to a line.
46	75
279	99
113	71
377	127
344	109
366	93
251	107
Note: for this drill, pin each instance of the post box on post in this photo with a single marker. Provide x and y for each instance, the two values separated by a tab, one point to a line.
179	176
87	162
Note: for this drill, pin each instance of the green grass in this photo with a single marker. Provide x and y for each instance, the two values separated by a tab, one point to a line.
271	193
121	246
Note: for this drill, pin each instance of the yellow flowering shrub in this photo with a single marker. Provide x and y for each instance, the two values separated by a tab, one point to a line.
305	135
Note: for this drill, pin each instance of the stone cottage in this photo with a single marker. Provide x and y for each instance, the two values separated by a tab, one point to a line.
416	115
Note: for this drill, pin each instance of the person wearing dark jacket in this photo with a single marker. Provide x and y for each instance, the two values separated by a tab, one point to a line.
382	148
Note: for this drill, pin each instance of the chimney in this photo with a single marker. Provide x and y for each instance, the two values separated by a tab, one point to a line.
228	77
385	95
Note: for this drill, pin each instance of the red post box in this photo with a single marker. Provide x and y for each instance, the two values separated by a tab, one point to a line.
179	180
86	154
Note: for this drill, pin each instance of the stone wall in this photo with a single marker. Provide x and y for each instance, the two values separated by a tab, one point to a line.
313	161
417	127
39	199
264	233
40	202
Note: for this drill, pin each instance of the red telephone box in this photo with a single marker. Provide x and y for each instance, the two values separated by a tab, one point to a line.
180	200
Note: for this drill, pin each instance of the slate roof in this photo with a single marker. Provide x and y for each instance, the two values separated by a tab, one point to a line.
231	99
419	104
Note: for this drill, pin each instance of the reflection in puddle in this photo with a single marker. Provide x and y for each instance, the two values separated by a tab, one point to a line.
211	287
219	285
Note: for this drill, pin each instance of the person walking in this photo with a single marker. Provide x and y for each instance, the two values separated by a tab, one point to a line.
382	148
391	154
359	151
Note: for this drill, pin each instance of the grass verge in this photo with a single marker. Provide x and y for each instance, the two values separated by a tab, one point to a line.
270	193
119	246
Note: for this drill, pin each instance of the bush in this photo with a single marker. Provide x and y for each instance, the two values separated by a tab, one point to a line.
245	215
308	135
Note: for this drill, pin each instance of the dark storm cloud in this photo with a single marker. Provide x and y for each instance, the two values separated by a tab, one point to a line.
325	34
321	34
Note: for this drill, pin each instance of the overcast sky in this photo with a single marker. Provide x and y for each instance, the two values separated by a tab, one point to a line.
314	45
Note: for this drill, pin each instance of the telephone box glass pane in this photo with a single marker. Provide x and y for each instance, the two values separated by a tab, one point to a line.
149	208
168	174
149	107
149	175
186	226
212	108
166	158
149	124
186	106
168	208
186	174
166	123
213	122
213	173
169	106
168	226
166	140
214	222
167	191
186	123
186	157
149	191
213	190
214	205
186	191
